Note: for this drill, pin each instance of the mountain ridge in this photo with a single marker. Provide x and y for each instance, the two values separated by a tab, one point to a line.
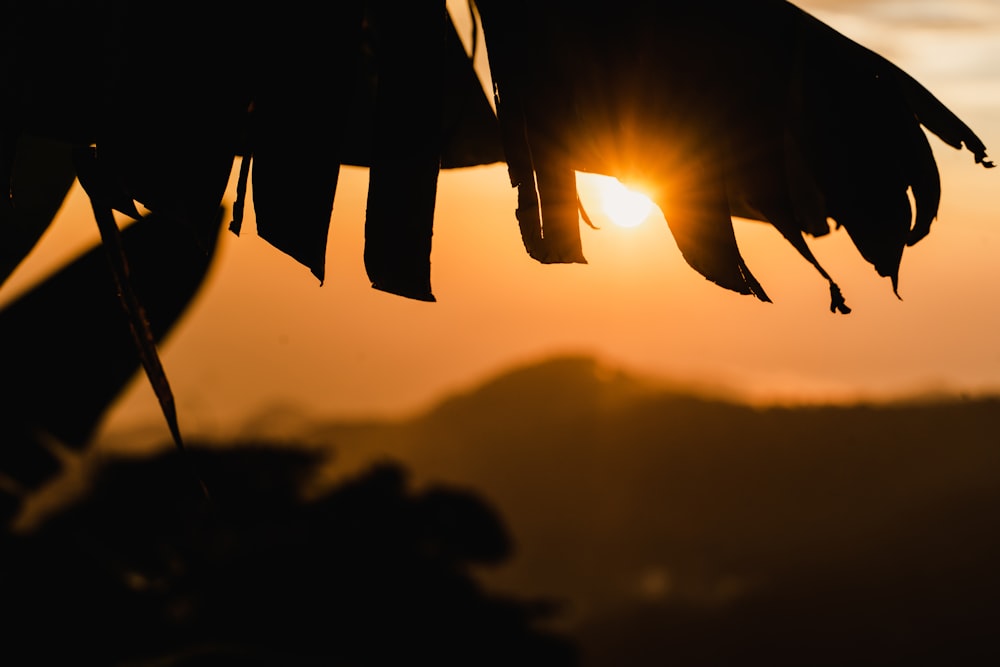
649	481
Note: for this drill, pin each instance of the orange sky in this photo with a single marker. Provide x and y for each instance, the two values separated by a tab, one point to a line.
263	331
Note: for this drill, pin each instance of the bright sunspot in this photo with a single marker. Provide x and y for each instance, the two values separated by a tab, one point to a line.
623	206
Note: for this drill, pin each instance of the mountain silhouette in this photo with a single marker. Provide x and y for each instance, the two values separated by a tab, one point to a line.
671	522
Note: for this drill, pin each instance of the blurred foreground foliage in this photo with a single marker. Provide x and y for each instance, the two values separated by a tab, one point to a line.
277	570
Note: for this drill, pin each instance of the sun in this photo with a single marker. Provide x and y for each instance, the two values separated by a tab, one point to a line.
623	206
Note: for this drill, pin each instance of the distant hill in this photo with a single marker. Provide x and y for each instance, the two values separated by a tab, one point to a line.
684	526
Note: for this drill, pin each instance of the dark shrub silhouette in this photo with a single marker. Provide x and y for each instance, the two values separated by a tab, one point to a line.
144	570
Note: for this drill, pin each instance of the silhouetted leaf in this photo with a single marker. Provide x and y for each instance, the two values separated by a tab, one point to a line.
66	347
301	95
533	110
406	154
754	109
470	134
38	173
756	104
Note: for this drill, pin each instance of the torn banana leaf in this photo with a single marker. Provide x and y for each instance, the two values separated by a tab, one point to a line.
300	100
399	96
470	135
533	108
406	145
750	109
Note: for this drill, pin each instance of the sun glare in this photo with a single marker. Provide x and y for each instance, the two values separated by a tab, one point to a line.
623	206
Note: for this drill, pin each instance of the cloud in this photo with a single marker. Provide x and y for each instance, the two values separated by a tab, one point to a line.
951	46
941	14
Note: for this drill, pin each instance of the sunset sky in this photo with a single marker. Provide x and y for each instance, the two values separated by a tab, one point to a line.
264	332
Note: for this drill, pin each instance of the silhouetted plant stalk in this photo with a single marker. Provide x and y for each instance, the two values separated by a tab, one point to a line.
103	200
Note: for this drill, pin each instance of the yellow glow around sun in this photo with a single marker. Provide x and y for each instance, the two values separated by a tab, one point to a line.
623	206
